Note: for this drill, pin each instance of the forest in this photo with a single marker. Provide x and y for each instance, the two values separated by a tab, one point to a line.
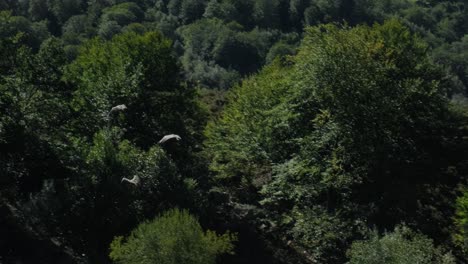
297	131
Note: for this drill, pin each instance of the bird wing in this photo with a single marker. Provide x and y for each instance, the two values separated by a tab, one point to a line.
163	139
118	108
168	137
136	180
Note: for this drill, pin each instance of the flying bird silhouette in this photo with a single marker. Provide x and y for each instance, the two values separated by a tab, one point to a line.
135	180
118	108
168	137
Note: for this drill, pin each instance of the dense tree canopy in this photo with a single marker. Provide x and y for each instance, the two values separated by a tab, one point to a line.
439	22
356	124
64	153
309	128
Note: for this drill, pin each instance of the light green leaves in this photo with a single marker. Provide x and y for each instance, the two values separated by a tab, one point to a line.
175	237
402	246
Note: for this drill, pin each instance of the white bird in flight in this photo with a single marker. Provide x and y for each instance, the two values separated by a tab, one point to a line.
168	137
135	180
118	108
115	109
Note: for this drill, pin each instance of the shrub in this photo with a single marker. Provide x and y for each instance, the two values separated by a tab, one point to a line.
400	247
174	237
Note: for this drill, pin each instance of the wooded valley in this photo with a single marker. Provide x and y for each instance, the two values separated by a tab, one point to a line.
297	131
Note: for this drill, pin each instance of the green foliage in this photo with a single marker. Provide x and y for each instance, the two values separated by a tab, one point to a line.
340	138
461	221
353	131
231	10
455	56
216	52
370	64
34	105
64	152
248	126
123	14
402	246
74	27
118	16
174	237
97	202
38	10
108	29
76	30
186	10
27	33
64	9
135	27
279	50
139	71
436	21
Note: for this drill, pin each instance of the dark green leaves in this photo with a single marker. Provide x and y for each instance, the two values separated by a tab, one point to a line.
338	139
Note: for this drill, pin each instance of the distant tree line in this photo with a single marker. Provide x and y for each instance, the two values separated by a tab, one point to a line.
210	36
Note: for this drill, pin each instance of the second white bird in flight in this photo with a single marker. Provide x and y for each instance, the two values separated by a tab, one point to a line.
135	180
168	137
118	108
